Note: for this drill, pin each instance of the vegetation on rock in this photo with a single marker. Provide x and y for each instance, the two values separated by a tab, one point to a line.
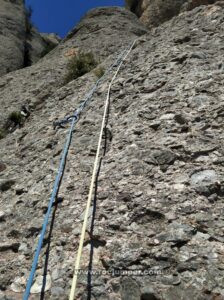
80	65
99	72
16	117
14	120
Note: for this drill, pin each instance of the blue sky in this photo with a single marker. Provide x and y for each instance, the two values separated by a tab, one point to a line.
60	16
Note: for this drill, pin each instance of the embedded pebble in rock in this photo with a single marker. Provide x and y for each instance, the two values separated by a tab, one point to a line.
2	166
38	283
129	289
179	118
164	157
18	285
2	216
57	291
167	117
205	182
177	233
81	218
23	248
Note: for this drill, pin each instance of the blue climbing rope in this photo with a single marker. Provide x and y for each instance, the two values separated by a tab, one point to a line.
52	199
73	119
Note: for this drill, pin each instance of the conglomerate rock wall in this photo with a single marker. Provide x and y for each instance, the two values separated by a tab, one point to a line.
154	12
158	203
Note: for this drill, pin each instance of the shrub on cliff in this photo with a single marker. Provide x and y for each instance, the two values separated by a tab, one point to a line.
16	117
15	120
99	72
80	65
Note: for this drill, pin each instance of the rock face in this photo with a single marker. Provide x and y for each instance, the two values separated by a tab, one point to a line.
158	209
154	12
33	86
20	43
12	35
38	45
191	4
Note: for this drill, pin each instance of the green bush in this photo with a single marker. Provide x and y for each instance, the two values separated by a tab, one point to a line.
99	72
80	65
16	118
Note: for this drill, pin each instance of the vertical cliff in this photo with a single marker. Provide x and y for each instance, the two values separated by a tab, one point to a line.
21	44
155	227
12	35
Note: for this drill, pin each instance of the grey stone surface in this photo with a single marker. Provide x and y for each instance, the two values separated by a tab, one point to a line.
148	217
114	28
36	46
21	45
40	44
37	286
154	12
12	35
130	289
206	181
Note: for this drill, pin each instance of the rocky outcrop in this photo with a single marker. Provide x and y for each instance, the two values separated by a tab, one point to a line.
191	4
159	197
154	12
12	35
21	45
114	28
38	45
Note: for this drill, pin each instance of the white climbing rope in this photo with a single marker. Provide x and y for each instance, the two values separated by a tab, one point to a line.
88	204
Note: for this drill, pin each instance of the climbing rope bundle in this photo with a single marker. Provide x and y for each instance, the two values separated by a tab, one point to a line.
73	119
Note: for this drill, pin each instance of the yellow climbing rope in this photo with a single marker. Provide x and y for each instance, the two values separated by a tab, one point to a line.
96	163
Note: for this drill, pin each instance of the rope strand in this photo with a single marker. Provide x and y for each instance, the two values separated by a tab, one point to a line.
73	119
84	227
